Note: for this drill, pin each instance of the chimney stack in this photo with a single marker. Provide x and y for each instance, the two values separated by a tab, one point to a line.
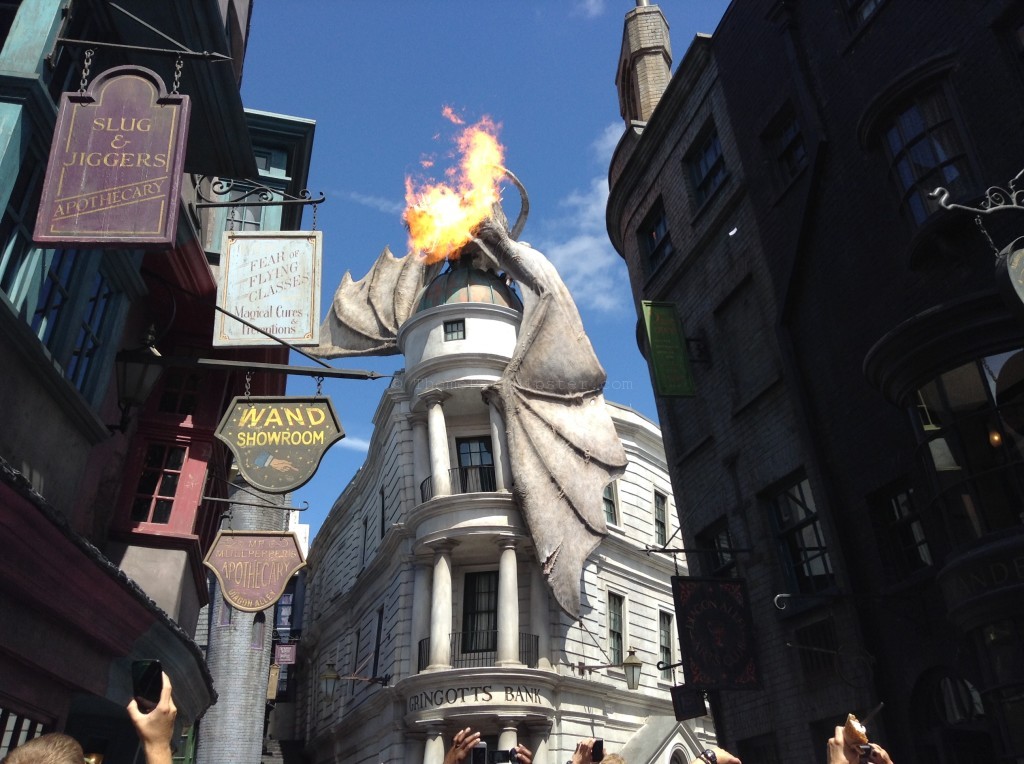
645	63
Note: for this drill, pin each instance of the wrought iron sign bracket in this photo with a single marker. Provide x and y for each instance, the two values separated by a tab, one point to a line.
263	505
997	198
181	51
264	195
648	549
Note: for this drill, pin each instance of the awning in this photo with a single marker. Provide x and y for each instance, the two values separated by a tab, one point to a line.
71	621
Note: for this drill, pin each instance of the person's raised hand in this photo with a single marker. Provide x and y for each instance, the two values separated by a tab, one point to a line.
463	742
156	729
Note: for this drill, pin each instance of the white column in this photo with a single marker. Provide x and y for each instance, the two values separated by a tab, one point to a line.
433	750
499	443
420	454
421	606
508	604
438	436
441	609
540	615
540	743
509	737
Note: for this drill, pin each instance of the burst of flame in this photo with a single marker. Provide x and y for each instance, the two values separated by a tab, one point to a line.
441	216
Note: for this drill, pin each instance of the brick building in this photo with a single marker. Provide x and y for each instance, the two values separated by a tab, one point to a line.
108	504
853	430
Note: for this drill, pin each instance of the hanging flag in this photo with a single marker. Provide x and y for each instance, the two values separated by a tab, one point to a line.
715	633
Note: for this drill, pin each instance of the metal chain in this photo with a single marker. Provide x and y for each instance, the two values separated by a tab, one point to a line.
319	385
178	64
981	225
86	67
248	380
314	217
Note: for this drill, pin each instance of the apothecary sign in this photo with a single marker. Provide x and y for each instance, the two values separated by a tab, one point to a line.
254	567
114	173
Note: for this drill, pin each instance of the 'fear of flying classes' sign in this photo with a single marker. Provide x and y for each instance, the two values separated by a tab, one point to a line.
271	279
278	442
114	172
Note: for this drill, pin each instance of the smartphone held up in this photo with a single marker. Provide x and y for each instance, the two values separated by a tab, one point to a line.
147	683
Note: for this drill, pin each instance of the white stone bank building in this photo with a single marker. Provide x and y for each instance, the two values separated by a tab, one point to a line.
425	571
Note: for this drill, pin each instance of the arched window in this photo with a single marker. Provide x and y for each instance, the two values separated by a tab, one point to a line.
259	625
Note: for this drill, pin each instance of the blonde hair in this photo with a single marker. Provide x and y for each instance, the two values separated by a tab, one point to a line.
613	758
52	748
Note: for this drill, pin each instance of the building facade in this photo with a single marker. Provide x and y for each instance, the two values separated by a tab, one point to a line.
425	594
109	504
851	448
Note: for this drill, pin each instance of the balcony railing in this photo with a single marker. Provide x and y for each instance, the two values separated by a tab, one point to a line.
475	479
480	648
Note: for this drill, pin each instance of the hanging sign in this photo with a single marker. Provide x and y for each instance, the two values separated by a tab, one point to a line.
272	280
113	178
670	361
278	442
254	567
285	655
715	633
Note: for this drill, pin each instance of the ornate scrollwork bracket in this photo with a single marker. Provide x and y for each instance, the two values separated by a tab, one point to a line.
225	192
997	198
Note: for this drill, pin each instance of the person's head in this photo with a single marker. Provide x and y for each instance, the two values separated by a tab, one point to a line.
613	758
52	748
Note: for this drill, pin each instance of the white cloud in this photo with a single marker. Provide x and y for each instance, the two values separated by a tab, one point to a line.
589	8
604	145
584	257
379	203
355	444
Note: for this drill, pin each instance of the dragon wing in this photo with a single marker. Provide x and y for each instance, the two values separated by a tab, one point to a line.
365	315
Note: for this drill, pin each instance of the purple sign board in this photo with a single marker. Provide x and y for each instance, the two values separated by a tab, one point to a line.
114	173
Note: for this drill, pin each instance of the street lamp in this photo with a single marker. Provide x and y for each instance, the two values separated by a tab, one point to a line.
137	373
632	666
329	681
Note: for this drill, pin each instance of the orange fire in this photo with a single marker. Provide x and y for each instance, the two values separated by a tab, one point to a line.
441	216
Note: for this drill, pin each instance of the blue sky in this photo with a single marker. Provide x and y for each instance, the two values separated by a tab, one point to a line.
375	77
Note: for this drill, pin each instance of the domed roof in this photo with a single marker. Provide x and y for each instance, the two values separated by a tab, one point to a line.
464	283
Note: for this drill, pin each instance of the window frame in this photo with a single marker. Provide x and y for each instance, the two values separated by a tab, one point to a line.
784	140
706	177
487	480
654	238
791	535
474	638
719	561
610	499
665	644
894	514
616	639
934	108
660	525
187	506
454	330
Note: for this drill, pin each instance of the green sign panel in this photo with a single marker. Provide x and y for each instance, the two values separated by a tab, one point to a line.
669	360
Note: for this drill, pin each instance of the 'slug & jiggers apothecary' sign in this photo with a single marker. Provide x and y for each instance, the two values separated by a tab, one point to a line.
114	174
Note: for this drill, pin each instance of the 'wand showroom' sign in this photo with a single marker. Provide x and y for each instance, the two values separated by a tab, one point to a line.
114	173
278	442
